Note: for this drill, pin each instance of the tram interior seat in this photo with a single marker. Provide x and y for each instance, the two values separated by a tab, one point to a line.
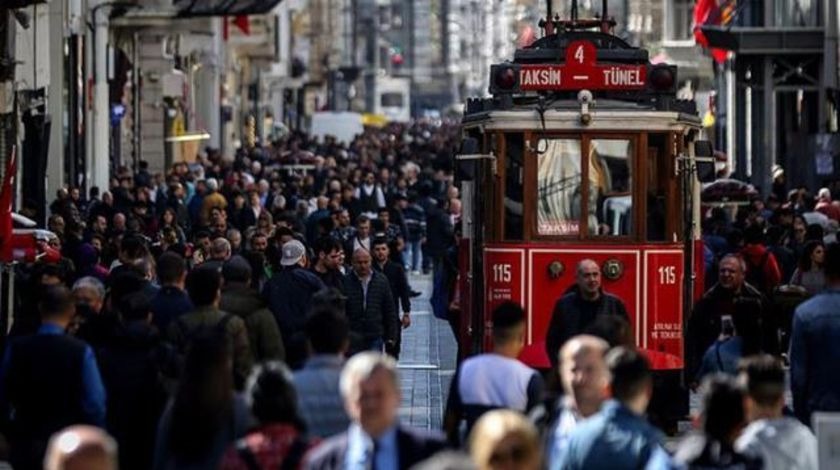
616	212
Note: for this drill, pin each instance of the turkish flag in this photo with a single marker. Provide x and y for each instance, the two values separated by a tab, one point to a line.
708	12
6	197
242	22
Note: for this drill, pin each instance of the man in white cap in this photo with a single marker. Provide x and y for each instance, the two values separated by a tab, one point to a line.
289	295
212	199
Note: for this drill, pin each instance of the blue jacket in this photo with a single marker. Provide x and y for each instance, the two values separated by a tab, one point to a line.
615	438
814	355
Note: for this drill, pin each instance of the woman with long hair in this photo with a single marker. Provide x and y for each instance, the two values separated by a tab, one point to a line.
170	219
810	273
205	415
280	439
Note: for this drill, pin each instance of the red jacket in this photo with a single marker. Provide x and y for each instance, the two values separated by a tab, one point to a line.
754	255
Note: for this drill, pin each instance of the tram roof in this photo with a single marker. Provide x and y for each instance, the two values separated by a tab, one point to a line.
627	119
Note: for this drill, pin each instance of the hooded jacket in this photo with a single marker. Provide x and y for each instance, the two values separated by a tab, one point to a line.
263	333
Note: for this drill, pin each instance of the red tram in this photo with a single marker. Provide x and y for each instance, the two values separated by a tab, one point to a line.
583	151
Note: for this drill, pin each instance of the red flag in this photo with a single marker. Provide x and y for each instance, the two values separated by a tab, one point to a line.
6	197
711	12
243	23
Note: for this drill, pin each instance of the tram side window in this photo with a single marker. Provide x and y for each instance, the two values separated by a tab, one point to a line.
559	187
610	187
514	183
657	188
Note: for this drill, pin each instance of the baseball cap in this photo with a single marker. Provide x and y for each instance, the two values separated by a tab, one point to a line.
293	251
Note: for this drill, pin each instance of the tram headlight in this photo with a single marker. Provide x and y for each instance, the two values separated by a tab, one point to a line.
663	78
504	78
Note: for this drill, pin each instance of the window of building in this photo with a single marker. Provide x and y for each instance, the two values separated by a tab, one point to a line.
679	20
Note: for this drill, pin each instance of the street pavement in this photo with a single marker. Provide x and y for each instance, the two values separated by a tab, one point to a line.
427	361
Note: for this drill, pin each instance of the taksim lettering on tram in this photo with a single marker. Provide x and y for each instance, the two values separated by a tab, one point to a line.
540	77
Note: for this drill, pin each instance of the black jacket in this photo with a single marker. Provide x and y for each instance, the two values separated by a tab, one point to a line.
439	232
133	367
569	319
413	447
399	284
704	325
288	294
375	319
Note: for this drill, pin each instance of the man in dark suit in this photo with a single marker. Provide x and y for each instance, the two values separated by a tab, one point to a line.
370	306
371	392
400	291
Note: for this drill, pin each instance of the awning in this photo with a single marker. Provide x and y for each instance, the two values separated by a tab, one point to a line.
193	8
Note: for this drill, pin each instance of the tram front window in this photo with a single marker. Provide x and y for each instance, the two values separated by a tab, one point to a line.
610	187
559	189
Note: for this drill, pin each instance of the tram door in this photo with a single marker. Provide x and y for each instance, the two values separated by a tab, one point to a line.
475	172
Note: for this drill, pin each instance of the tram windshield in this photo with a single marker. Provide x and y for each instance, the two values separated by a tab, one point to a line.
598	188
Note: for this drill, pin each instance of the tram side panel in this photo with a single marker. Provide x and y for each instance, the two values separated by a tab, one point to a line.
648	279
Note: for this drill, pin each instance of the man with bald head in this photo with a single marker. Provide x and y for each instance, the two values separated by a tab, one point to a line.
579	308
81	448
370	306
584	377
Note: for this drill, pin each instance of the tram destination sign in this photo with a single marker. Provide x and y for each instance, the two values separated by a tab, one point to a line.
581	71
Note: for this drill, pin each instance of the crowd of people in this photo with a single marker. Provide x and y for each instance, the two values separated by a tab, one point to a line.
202	315
247	314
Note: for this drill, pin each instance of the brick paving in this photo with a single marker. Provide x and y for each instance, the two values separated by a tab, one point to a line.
427	362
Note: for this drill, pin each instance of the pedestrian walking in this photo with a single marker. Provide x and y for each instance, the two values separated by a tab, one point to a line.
289	296
580	307
205	288
618	436
370	306
240	299
48	381
375	439
400	290
317	382
494	380
780	441
815	339
279	440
